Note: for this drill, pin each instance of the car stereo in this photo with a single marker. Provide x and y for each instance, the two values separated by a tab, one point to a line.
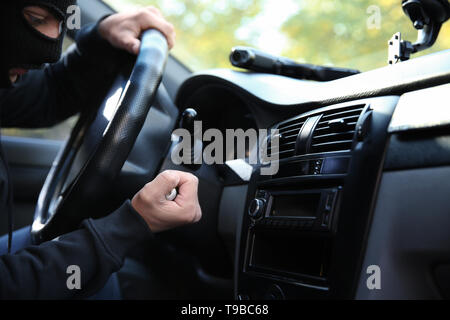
311	210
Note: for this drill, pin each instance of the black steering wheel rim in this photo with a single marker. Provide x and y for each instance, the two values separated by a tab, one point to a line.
70	194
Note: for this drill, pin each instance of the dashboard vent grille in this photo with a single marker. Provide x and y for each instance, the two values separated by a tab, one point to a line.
336	130
288	131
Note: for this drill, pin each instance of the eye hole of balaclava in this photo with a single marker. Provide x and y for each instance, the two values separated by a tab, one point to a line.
43	20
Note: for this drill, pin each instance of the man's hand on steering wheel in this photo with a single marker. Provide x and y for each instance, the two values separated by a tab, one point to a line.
123	30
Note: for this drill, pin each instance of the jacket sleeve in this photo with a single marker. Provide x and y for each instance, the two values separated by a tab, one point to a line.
98	249
80	80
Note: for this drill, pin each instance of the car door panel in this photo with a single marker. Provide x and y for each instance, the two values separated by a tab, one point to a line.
29	160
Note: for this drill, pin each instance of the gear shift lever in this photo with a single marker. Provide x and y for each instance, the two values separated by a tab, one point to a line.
187	122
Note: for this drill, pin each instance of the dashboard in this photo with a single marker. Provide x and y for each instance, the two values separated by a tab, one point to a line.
352	153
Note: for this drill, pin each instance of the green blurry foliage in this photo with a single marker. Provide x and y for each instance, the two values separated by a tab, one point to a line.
327	32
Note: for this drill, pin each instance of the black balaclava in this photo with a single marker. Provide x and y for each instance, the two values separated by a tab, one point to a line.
22	46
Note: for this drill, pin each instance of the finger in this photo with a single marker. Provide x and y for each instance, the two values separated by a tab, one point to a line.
134	45
187	187
127	40
172	37
198	216
148	20
155	10
164	183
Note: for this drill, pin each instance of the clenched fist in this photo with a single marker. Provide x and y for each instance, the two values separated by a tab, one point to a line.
123	30
162	214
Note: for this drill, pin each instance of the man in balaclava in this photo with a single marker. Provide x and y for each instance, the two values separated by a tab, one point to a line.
38	91
24	46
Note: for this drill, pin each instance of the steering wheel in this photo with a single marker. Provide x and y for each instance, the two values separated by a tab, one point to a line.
99	145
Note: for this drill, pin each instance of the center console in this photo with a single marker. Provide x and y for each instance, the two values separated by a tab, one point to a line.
304	228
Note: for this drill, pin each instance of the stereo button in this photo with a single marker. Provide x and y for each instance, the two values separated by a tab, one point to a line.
256	208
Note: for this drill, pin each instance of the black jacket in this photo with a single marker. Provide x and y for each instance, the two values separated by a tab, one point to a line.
41	99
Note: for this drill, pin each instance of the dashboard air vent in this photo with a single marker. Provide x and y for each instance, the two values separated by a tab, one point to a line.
288	132
336	130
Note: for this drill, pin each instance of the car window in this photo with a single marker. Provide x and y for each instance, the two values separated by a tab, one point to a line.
344	33
58	132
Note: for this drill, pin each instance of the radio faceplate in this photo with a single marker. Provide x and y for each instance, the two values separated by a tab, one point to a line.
311	210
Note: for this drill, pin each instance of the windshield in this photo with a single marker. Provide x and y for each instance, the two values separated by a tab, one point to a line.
350	33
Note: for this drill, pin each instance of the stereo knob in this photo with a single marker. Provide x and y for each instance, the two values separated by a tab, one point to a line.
256	208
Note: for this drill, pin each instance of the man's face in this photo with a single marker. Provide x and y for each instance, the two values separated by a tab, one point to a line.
43	21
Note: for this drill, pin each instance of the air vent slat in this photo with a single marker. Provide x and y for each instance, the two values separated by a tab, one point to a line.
294	126
333	137
356	112
324	122
336	130
289	145
332	146
288	131
294	136
331	143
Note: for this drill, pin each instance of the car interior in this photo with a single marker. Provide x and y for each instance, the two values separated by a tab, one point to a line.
363	180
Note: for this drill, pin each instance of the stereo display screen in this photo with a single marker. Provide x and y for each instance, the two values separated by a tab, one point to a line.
295	205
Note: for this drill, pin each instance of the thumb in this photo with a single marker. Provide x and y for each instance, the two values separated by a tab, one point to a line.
133	45
136	46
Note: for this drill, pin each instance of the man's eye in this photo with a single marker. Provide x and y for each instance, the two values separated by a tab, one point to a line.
34	20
